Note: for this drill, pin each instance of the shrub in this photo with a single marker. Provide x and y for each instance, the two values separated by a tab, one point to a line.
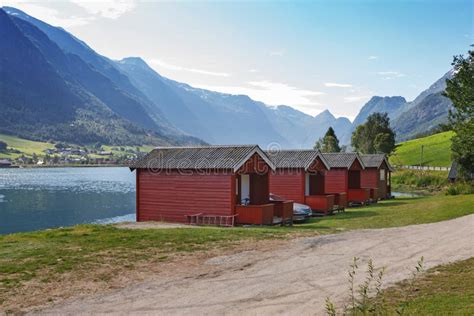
360	301
460	187
416	179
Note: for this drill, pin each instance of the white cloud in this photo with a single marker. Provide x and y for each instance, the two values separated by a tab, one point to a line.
165	65
253	70
48	15
388	75
373	57
275	93
356	98
111	9
337	85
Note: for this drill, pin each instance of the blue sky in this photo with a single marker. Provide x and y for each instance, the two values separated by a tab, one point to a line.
311	55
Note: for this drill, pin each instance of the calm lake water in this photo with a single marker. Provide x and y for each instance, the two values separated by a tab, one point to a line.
33	199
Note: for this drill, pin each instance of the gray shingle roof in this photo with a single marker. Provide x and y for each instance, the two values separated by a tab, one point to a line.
341	160
375	161
205	157
295	158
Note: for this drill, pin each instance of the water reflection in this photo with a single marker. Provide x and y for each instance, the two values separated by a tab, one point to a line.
32	199
405	194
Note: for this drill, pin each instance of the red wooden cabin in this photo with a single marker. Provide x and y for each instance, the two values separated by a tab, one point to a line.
296	178
344	178
377	175
174	183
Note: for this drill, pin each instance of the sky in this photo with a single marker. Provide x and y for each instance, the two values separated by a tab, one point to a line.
311	55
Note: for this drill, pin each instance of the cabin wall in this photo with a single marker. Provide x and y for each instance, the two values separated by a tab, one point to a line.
335	181
288	183
170	196
369	178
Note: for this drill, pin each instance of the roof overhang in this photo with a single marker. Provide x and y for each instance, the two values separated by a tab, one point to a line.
259	152
360	161
324	161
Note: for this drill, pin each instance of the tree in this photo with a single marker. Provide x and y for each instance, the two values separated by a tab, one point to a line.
460	89
3	146
384	143
375	135
329	143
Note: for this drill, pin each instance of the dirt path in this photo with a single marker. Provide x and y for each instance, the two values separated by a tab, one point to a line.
294	279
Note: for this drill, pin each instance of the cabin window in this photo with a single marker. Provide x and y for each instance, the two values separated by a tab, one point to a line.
382	174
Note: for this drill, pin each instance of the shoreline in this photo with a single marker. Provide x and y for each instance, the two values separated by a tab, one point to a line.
62	166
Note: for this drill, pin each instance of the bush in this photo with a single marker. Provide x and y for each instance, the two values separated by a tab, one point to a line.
460	188
360	300
416	179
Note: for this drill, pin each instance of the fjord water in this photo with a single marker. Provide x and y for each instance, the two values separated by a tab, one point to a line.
39	198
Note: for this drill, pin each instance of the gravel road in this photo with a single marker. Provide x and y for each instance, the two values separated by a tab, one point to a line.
292	279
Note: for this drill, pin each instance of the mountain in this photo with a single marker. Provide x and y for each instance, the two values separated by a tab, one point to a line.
167	101
48	93
389	105
54	86
428	113
429	109
137	95
409	119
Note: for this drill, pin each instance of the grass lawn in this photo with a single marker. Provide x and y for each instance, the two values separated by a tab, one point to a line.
436	151
27	147
443	290
70	253
43	254
397	212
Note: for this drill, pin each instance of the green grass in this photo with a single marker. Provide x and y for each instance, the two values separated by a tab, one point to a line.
443	290
397	212
27	147
46	256
436	151
43	254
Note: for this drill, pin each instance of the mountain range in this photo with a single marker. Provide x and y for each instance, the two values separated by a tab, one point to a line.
53	86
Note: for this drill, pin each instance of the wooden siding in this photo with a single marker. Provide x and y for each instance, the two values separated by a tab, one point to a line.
283	209
288	183
317	165
321	203
356	165
255	164
254	214
340	199
374	194
170	196
335	181
358	195
369	178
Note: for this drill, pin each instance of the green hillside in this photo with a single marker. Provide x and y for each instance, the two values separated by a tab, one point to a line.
23	146
19	146
436	151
